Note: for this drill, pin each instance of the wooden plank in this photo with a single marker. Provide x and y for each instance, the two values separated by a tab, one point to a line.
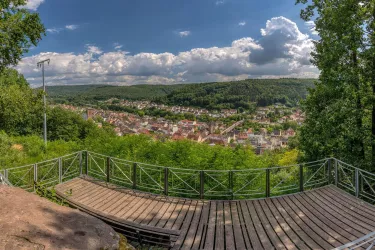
124	203
220	233
310	217
154	212
272	236
160	213
250	228
148	209
119	196
340	226
199	237
80	189
353	217
185	227
192	230
95	190
308	236
133	207
209	242
228	227
96	197
163	220
181	217
316	226
109	198
237	226
175	214
295	239
358	206
141	208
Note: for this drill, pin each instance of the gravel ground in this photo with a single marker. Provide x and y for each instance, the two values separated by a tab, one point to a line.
30	222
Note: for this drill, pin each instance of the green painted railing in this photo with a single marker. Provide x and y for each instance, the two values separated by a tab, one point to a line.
190	183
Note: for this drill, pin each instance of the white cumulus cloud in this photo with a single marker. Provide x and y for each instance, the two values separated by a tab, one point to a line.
184	33
311	26
33	4
71	27
282	51
242	23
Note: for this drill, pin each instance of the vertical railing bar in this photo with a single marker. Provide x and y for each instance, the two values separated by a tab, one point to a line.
60	169
301	180
231	184
108	168
134	178
87	163
80	163
201	184
268	182
166	181
35	175
329	170
336	173
357	182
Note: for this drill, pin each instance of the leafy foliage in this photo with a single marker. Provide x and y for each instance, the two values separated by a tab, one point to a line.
341	109
19	30
240	94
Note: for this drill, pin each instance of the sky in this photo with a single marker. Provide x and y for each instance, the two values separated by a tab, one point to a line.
128	42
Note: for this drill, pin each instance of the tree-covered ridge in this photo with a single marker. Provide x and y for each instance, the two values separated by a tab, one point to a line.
216	95
82	94
240	94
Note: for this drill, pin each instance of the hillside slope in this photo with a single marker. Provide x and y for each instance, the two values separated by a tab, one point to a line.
206	95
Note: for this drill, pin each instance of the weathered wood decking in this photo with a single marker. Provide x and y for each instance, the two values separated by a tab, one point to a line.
324	218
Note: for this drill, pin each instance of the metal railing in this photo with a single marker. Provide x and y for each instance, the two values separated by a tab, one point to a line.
208	184
47	173
190	183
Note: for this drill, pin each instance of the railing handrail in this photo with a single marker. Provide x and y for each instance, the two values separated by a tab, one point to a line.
208	170
229	183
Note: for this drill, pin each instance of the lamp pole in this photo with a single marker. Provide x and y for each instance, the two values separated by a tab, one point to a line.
41	65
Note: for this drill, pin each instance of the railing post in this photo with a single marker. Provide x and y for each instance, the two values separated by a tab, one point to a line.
166	180
201	184
268	191
357	191
231	184
134	175
108	168
301	178
35	175
6	174
329	170
87	163
80	163
336	173
60	169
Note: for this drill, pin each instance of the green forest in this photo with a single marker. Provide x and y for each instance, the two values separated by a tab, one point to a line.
219	95
240	94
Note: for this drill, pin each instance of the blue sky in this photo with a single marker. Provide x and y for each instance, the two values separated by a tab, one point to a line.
169	41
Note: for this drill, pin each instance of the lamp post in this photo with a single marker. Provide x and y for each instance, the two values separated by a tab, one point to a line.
41	65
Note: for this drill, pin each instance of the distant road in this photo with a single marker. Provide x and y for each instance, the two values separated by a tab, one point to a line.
231	127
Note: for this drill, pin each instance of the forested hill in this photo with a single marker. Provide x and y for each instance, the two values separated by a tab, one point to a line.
238	94
207	95
82	93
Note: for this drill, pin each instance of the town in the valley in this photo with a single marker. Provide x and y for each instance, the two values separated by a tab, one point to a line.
264	129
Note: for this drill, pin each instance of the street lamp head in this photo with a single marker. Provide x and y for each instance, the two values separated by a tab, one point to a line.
39	64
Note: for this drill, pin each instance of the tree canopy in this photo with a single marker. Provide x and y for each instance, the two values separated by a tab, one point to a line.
19	30
340	110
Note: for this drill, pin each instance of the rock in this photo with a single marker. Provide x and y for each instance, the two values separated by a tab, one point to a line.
28	221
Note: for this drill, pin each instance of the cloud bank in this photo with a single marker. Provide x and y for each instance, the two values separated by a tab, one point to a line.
282	51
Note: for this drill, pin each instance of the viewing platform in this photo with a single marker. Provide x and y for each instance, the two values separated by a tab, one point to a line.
318	205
